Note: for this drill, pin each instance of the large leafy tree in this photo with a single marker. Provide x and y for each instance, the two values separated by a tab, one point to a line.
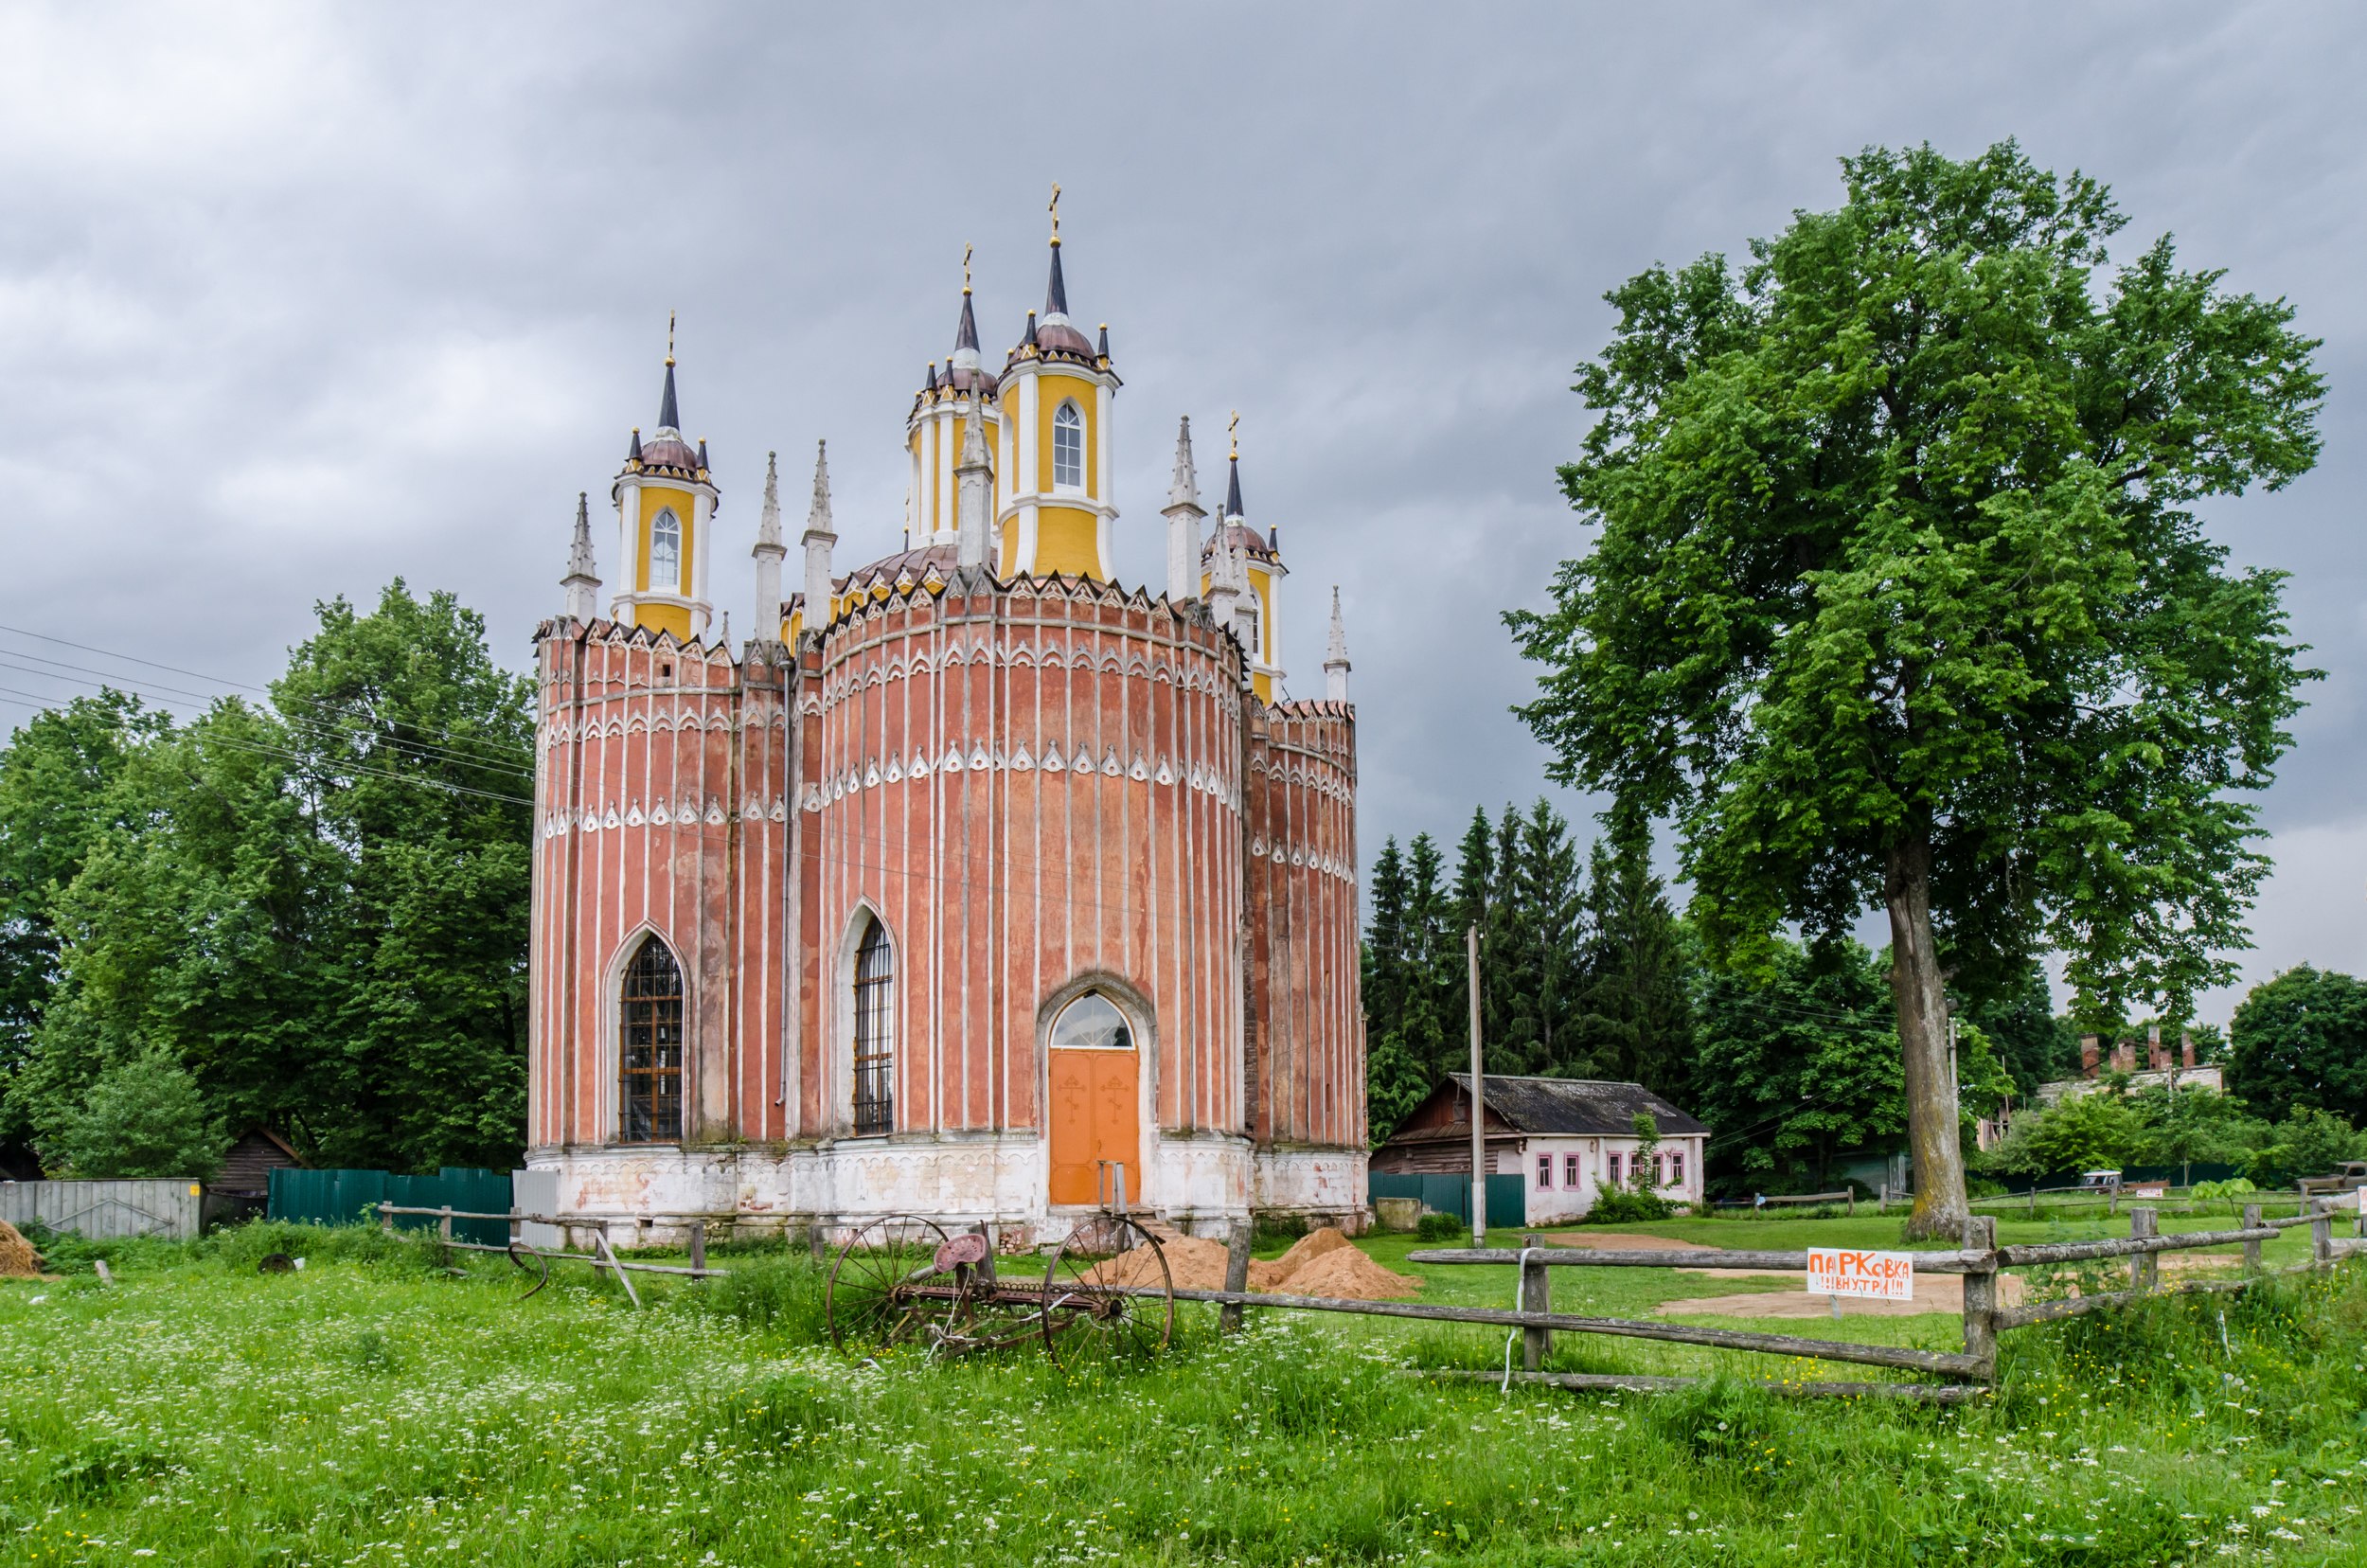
1635	1018
2298	1040
1899	601
317	909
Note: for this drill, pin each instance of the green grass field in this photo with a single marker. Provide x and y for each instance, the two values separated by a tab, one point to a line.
384	1407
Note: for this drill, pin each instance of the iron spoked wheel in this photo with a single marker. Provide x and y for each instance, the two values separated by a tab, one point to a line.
882	1289
1108	1296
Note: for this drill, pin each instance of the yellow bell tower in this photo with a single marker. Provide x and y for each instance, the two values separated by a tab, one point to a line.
1052	449
932	431
1241	571
665	501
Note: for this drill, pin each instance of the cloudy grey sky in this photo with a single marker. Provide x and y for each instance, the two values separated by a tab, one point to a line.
295	299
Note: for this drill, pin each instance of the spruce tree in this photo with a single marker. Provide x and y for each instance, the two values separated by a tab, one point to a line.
1636	1022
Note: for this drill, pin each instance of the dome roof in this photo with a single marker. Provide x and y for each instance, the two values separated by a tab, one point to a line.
904	568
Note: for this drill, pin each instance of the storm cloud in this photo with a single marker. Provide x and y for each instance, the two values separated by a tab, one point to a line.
297	299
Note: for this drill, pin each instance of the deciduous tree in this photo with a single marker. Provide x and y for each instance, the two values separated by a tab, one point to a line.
1899	601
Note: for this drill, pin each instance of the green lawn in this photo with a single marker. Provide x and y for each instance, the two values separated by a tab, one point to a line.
378	1409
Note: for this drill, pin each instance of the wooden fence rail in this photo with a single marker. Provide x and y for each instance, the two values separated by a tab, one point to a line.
603	1257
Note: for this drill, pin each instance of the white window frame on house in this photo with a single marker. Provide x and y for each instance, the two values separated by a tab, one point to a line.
1544	1174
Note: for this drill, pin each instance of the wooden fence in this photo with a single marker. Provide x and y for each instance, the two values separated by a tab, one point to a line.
167	1208
1979	1260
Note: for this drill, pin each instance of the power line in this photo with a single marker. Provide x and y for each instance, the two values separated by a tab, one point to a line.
217	680
418	750
214	738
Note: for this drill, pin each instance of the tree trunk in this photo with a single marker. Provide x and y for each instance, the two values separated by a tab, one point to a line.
1916	986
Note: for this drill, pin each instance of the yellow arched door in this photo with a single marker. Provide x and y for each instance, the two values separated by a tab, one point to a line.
1095	1118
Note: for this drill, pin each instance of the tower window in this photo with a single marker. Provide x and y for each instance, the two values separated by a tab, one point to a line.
1068	448
665	553
649	1046
875	1033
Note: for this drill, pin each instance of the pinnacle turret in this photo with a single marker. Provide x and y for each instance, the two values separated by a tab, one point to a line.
769	551
1182	512
582	580
1336	654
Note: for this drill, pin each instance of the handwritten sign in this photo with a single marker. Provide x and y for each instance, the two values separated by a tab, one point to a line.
1883	1276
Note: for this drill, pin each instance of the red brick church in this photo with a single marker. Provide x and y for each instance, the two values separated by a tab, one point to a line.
975	884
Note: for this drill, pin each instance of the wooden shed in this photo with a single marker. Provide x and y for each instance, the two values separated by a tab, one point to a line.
246	1169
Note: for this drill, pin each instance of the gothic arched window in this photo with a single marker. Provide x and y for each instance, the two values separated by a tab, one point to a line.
875	1032
1092	1022
649	1045
666	554
1068	447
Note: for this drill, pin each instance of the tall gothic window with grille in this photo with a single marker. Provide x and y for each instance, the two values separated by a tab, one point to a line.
1068	448
649	1046
875	1033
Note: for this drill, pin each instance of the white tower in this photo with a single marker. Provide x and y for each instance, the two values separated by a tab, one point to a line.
769	551
975	489
664	498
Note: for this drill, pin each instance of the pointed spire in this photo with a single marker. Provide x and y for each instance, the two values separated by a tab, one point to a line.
818	515
933	375
724	638
1029	340
702	454
769	521
966	336
632	452
1055	292
1184	489
668	413
1336	654
582	580
1233	483
1102	349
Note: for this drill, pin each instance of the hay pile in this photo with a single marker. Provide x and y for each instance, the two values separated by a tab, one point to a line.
18	1260
1326	1263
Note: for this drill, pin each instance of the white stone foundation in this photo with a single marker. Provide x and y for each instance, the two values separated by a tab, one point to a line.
1203	1185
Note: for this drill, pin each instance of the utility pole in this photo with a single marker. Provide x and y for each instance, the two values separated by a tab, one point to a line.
1479	1103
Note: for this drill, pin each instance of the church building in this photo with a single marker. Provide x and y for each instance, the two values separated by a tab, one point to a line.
974	884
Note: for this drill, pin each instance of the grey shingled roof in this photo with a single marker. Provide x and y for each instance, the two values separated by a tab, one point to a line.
1590	1106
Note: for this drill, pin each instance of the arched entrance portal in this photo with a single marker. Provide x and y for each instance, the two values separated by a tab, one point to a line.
1095	1103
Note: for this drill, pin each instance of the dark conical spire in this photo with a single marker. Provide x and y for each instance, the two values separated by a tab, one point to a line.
1233	490
634	452
1030	338
966	336
1055	292
933	375
669	416
1103	348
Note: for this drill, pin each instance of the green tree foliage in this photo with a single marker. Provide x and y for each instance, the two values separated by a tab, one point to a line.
2300	1039
2032	1043
1580	977
2310	1142
1798	1064
56	799
318	908
1635	1015
2194	1127
1899	601
143	1116
2091	1131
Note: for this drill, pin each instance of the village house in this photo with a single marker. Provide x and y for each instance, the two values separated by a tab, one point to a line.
1567	1138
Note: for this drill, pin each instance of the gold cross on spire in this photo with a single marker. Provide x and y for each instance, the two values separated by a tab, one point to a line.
669	337
1055	212
1233	431
966	250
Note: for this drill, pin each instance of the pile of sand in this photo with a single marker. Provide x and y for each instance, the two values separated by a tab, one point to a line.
18	1260
1349	1274
1325	1263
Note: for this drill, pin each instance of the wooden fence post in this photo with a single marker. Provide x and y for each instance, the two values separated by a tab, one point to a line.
443	1226
385	1219
1981	1295
1536	1296
1235	1272
2145	1270
2251	1249
2322	1236
985	1264
699	1244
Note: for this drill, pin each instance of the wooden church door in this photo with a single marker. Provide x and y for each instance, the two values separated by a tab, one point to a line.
1095	1118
